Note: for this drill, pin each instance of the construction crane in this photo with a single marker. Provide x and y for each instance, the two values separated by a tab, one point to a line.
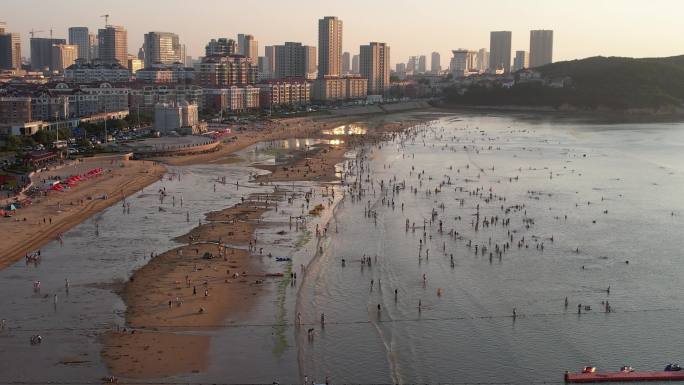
106	17
33	32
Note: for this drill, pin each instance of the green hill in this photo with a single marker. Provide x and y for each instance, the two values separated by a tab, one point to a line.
611	82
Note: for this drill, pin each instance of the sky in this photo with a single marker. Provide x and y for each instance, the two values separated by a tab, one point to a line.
582	28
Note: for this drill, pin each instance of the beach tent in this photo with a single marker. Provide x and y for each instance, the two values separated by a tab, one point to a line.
11	207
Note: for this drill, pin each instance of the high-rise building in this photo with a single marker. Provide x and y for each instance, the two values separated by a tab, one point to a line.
226	71
264	69
482	60
269	53
541	47
464	61
63	55
400	69
435	63
113	45
251	48
412	64
220	47
422	64
41	52
355	64
521	60
500	51
135	65
310	61
80	37
329	46
162	48
3	27
247	46
94	47
375	66
240	47
346	62
10	50
290	60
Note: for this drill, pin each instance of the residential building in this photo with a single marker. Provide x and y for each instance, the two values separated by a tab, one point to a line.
247	46
356	87
269	54
412	64
80	37
329	89
374	65
264	69
335	88
134	65
329	47
231	99
63	56
41	52
226	71
463	62
482	60
10	51
290	92
541	48
422	64
241	99
346	63
290	61
182	116
310	67
15	110
220	47
166	73
162	48
521	61
146	96
355	64
500	51
435	63
96	71
113	45
94	46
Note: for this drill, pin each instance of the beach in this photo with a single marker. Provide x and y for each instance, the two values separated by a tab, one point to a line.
184	290
57	212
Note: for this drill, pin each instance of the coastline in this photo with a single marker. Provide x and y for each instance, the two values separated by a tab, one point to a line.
185	290
597	116
49	216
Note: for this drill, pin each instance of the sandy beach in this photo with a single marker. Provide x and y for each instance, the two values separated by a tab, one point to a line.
51	215
185	289
201	284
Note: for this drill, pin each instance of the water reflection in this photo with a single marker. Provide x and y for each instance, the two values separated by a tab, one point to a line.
348	129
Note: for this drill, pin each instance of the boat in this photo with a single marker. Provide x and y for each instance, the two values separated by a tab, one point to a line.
274	274
589	374
283	259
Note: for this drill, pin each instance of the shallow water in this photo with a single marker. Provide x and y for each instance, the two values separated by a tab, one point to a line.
101	253
465	335
635	172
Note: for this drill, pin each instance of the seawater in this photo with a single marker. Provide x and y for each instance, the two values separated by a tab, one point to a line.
620	186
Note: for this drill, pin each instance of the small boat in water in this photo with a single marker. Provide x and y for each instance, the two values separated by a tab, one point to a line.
672	372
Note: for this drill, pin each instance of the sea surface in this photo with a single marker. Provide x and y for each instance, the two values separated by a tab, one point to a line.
621	187
595	195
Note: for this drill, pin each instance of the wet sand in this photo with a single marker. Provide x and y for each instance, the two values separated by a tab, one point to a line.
180	292
51	215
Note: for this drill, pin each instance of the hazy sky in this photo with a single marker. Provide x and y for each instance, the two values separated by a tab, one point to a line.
582	28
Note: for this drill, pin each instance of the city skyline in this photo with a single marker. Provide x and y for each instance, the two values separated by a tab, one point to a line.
601	32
